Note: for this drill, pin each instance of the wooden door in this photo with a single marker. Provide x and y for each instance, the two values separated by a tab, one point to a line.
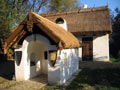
87	49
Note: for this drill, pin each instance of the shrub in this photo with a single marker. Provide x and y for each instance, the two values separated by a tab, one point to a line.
112	59
10	54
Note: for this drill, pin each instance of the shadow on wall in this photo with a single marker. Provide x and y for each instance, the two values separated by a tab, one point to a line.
102	58
69	66
7	70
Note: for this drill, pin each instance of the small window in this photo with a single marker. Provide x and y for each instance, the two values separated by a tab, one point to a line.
53	57
45	55
18	57
32	63
32	59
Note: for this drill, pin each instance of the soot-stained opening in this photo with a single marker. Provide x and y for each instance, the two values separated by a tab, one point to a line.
59	20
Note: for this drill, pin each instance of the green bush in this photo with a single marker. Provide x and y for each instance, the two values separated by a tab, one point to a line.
10	54
112	59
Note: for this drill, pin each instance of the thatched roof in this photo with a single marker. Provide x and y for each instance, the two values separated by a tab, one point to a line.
62	38
94	20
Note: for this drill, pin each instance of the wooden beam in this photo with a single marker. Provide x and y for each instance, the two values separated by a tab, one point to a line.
19	38
30	22
12	37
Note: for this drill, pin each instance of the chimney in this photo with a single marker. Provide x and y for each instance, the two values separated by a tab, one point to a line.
85	6
62	22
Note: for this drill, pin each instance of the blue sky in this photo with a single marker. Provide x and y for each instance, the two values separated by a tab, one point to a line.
94	3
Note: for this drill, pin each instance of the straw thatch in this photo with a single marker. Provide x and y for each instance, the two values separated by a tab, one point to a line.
57	33
62	38
85	20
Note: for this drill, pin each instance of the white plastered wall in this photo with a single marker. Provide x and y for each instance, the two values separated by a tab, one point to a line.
101	48
69	64
66	64
54	72
22	72
37	49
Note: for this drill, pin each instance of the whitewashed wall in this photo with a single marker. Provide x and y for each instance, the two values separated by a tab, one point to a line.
66	64
22	72
69	64
37	49
54	72
101	48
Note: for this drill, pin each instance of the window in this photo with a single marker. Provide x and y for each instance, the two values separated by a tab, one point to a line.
32	59
45	55
53	57
18	57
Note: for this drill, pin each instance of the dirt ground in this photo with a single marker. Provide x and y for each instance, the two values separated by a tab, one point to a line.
7	79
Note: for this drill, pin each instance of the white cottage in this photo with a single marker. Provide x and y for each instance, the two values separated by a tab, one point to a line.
48	43
92	27
43	48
